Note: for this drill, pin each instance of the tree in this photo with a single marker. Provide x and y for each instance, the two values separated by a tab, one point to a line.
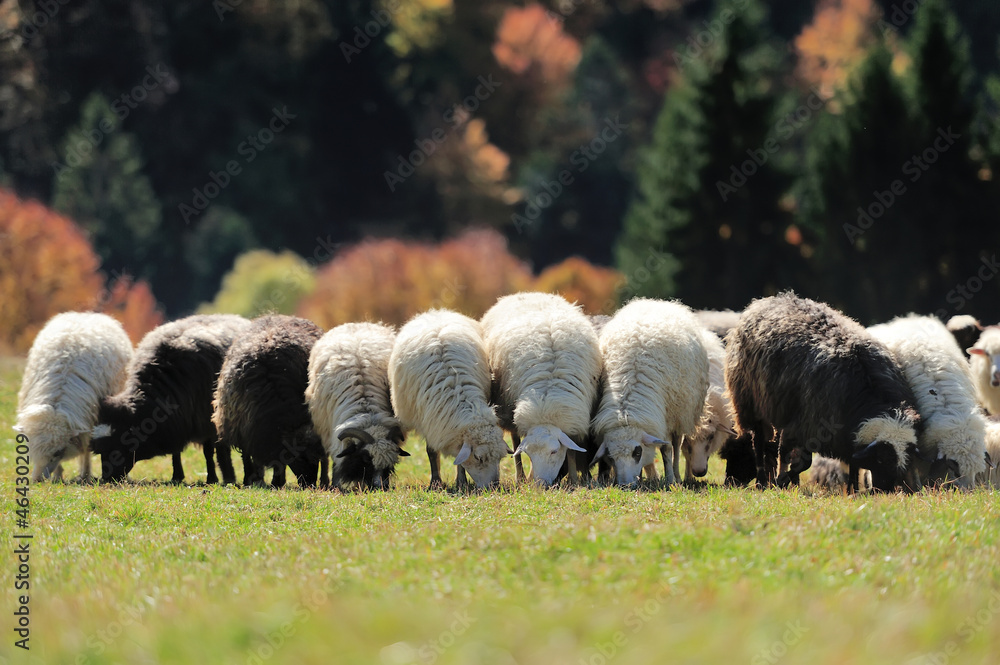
705	224
46	267
102	186
262	282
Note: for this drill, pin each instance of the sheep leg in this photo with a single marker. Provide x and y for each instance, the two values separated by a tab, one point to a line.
324	471
461	482
571	471
226	463
518	466
668	466
765	473
604	469
85	459
650	472
278	477
676	440
581	463
209	449
434	457
178	469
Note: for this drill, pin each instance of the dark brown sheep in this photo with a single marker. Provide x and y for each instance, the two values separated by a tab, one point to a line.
167	399
825	384
260	406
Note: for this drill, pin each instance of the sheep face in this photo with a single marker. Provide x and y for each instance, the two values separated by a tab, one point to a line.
629	449
987	363
115	441
546	446
51	440
370	456
482	449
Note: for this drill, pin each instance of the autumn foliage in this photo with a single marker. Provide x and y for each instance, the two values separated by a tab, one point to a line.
133	304
392	280
48	266
578	280
837	39
531	42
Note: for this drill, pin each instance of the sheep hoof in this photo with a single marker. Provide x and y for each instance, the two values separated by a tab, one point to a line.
436	485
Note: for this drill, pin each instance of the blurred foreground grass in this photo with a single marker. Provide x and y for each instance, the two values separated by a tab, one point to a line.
151	573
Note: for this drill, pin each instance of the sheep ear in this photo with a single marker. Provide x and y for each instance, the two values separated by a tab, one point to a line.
602	451
101	431
873	452
569	443
349	450
509	451
20	430
973	351
728	430
463	454
403	453
520	449
396	433
650	440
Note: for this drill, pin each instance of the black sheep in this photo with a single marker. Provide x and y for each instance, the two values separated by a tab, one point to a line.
825	384
167	399
260	406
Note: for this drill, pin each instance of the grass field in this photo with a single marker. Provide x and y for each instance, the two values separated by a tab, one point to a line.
152	573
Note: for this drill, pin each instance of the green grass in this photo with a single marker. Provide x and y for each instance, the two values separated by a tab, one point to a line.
152	573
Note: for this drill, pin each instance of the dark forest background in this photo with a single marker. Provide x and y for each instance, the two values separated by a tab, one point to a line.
711	151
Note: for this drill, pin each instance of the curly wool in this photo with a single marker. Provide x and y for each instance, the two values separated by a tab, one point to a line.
349	388
939	376
718	413
655	370
77	359
545	360
440	384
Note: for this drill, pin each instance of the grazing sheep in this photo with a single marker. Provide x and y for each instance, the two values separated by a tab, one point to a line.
985	362
991	477
166	402
718	322
440	379
260	406
546	365
348	398
966	330
821	380
717	426
833	474
76	360
654	386
941	381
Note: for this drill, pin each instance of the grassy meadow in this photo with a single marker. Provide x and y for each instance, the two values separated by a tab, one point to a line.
153	573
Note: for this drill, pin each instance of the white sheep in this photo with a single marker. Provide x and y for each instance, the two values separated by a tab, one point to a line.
991	477
546	365
348	398
717	426
936	371
653	388
984	357
76	360
440	381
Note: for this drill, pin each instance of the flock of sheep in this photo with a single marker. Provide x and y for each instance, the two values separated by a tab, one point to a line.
896	406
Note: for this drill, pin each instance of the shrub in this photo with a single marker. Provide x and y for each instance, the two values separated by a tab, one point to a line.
578	280
263	282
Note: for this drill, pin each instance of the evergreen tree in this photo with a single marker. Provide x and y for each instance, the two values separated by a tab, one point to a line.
101	185
705	224
581	178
